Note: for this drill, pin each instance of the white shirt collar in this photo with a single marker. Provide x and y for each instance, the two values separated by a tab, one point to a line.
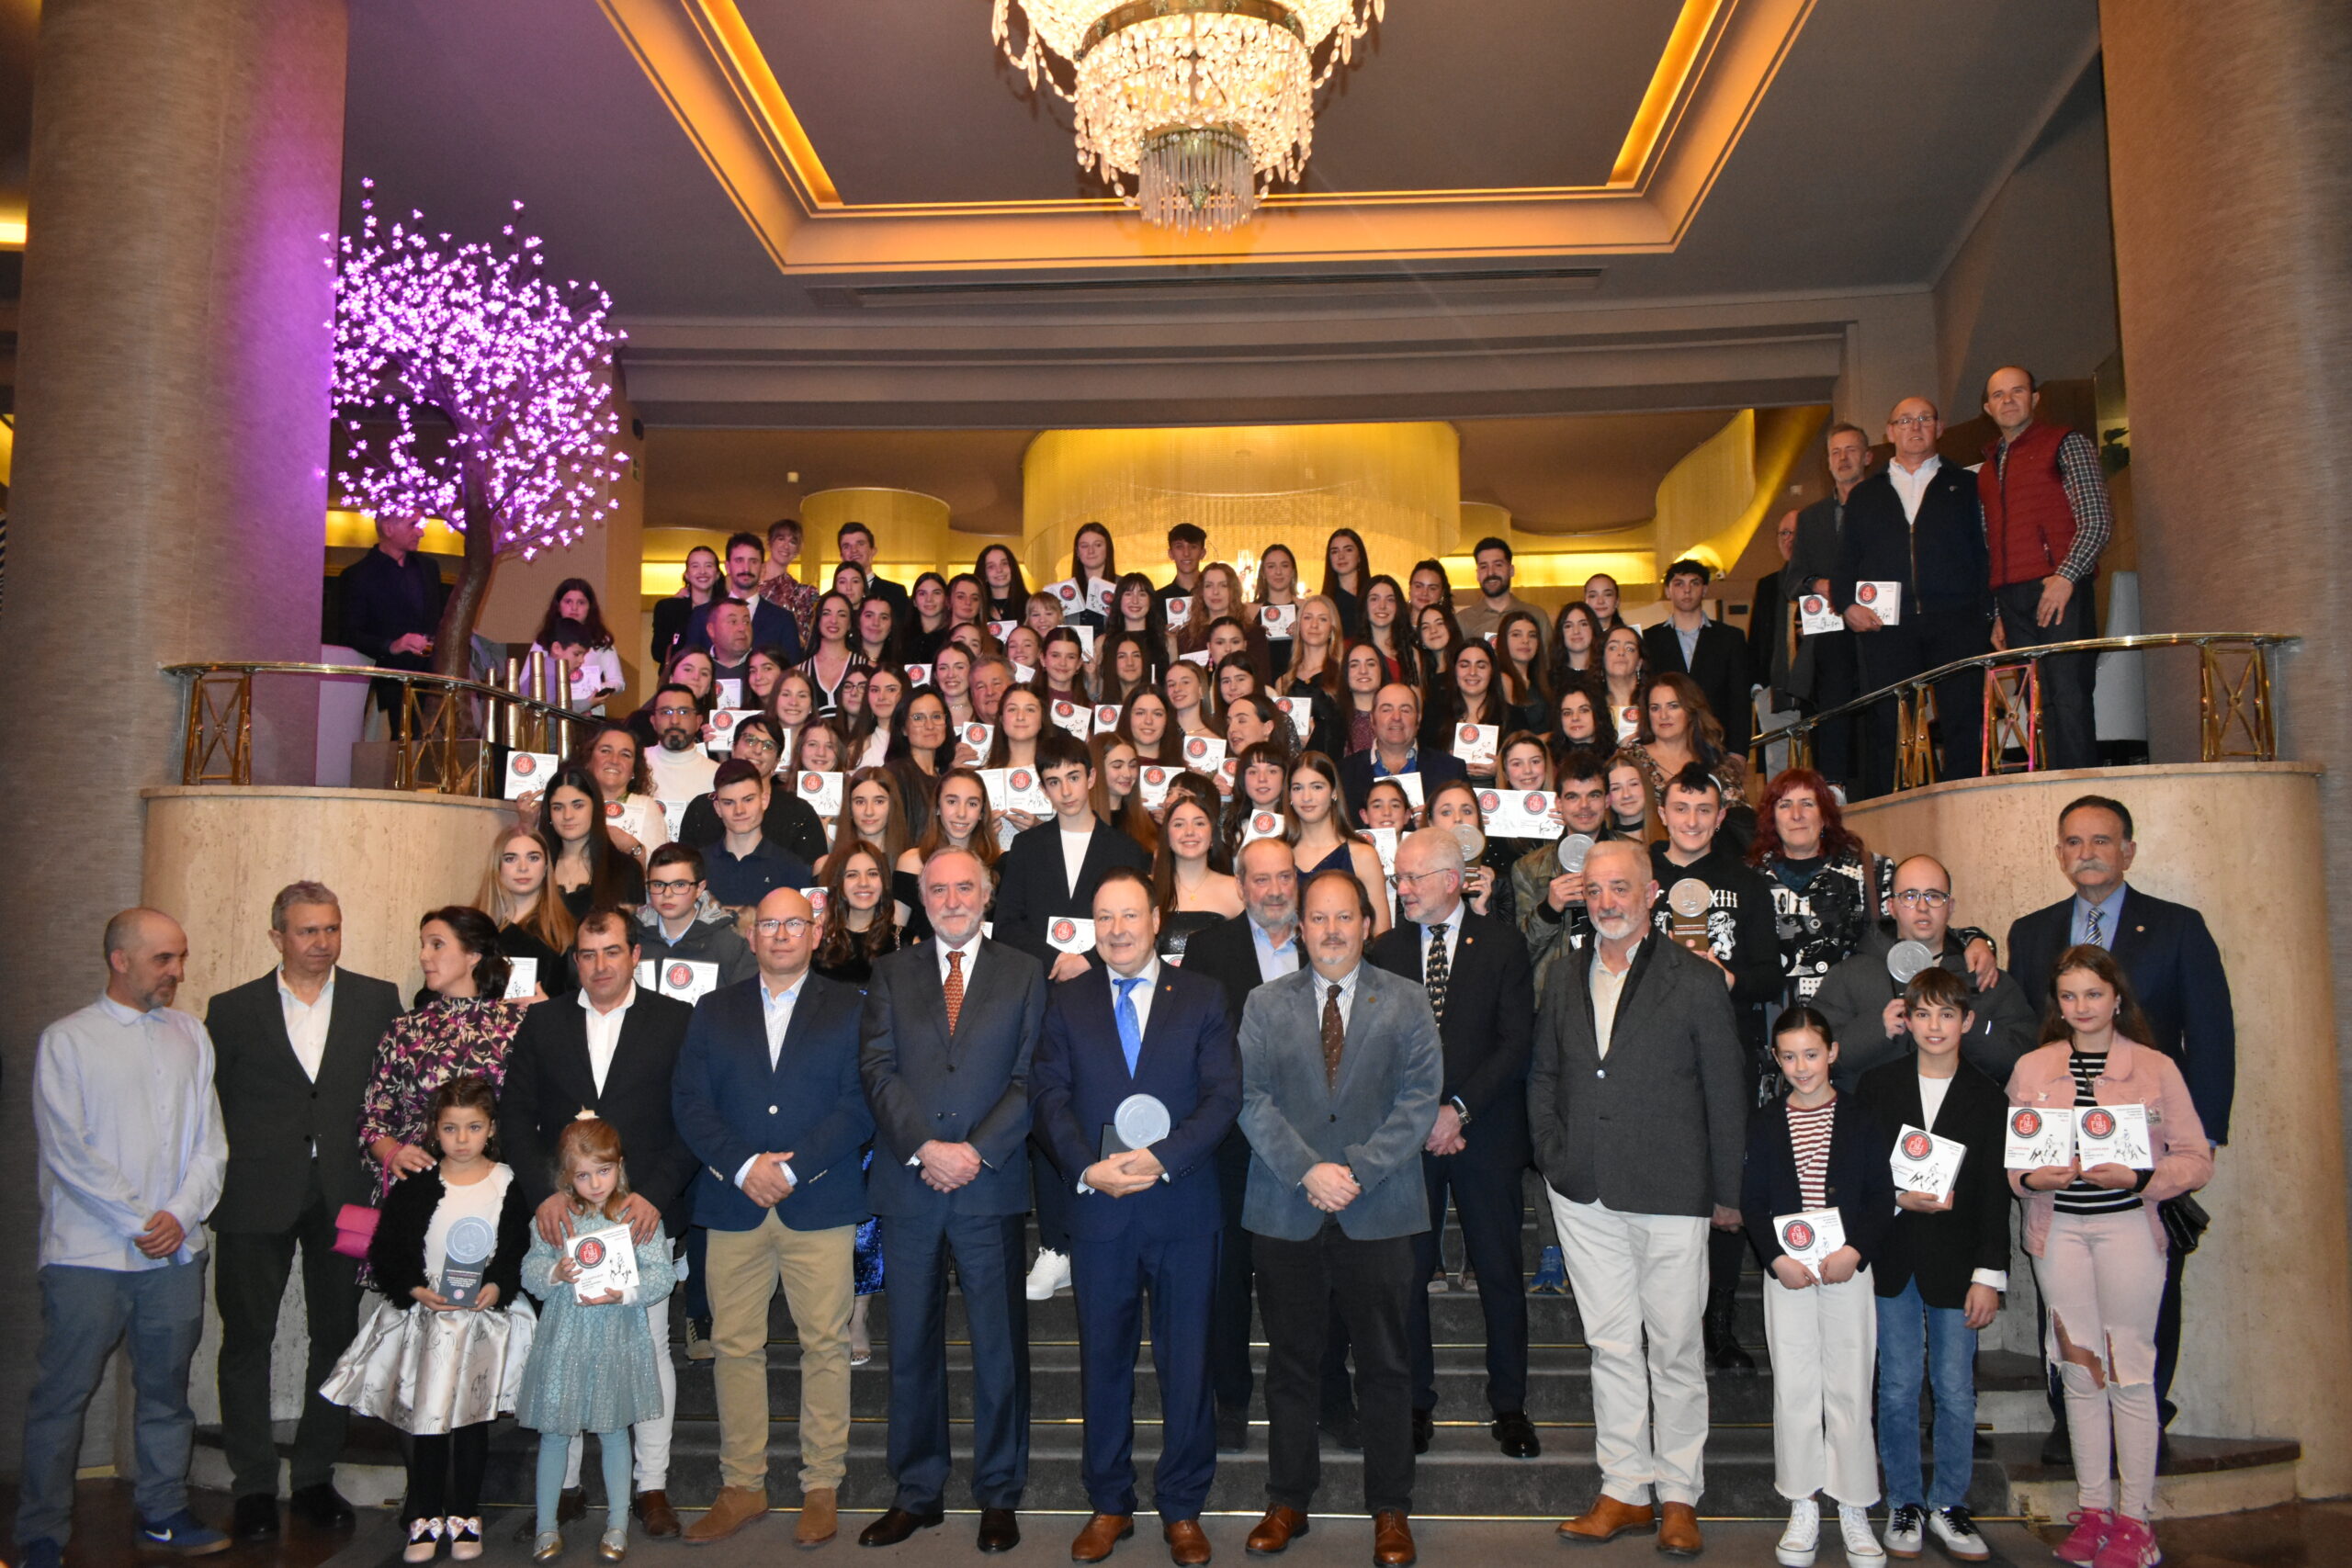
326	991
629	998
1148	975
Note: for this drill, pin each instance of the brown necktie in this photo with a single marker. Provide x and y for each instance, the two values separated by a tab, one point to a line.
1335	1036
954	990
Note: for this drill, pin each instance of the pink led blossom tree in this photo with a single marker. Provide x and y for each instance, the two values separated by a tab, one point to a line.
497	384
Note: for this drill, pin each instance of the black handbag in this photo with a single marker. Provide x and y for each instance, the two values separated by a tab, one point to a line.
2185	1220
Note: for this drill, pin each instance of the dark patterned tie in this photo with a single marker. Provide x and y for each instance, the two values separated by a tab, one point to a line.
2091	932
1435	974
954	988
1334	1037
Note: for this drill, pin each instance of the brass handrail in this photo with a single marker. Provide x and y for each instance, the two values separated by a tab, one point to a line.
440	741
2232	704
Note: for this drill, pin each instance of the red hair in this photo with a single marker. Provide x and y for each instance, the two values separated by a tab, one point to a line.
1834	838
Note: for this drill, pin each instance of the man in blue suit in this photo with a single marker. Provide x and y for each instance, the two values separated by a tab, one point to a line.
767	1096
1146	1217
2175	970
949	1030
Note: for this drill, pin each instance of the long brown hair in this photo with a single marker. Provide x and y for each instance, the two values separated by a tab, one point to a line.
2130	1024
1707	729
935	832
587	1138
845	834
547	919
840	943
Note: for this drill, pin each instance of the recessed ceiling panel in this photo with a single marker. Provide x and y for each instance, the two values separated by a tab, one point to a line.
908	101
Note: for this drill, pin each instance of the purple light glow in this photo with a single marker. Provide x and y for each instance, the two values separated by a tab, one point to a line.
517	368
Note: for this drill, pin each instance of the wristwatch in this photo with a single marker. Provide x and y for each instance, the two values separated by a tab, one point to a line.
1460	1109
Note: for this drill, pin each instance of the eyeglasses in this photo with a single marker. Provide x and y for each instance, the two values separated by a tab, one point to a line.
755	743
1398	879
1924	897
674	712
680	887
791	926
1908	420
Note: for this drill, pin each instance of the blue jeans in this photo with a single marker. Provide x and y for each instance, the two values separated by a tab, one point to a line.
1917	1342
84	1312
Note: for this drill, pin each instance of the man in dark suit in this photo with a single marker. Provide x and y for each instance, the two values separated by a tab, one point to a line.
1478	978
949	1027
1690	643
612	1049
855	543
1049	876
1637	1102
1914	546
292	1051
1240	955
772	626
2169	956
1146	1216
1341	1066
1821	671
767	1095
1394	750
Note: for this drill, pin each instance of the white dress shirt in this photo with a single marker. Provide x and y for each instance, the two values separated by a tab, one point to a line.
306	1023
1608	986
971	951
1911	485
775	1012
605	1032
128	1127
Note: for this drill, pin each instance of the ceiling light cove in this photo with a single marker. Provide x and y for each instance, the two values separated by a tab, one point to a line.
1190	109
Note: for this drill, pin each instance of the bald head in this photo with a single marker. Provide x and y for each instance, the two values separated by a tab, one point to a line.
146	955
784	937
1429	875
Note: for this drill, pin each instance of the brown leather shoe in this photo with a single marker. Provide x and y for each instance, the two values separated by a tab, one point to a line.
1276	1530
1607	1519
819	1520
1678	1530
1103	1532
1392	1539
652	1511
1187	1544
734	1507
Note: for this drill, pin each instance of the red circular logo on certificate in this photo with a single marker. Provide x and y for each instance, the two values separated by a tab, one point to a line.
681	974
526	764
1263	822
1534	805
1469	733
1867	593
1063	710
1020	778
1064	931
1918	1145
2099	1124
1488	800
811	783
592	1252
612	808
1196	748
1155	777
1799	1235
722	719
1812	605
2026	1124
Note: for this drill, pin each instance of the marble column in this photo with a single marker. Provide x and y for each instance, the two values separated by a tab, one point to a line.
2228	126
169	490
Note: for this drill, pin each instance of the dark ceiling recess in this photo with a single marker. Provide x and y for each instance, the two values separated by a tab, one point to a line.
1218	283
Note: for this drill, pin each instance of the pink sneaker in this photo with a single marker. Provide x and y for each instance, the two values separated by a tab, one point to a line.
2129	1544
2091	1529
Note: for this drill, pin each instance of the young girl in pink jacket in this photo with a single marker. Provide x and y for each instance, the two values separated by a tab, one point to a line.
2099	1245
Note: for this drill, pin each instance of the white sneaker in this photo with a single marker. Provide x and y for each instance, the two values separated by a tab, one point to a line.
1048	1274
1906	1530
1862	1541
1958	1534
1799	1542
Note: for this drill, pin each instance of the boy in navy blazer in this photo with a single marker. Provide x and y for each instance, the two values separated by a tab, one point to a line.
1146	1217
768	1096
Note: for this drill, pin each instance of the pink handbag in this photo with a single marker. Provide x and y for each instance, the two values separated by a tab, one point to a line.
354	1224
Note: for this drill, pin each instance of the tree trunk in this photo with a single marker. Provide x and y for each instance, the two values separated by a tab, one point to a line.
453	643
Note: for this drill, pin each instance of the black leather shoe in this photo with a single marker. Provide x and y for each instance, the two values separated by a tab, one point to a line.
1000	1530
1344	1428
1723	1353
1232	1431
896	1526
1424	1430
322	1506
254	1517
1516	1434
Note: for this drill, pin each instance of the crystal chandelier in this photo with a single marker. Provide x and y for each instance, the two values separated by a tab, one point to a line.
1202	104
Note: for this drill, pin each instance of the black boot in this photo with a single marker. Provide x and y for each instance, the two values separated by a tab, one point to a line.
1723	1353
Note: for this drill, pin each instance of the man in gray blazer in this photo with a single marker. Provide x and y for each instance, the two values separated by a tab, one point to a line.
1340	1069
1637	1101
291	1054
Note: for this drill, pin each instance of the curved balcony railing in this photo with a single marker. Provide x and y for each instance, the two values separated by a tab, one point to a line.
2235	715
446	732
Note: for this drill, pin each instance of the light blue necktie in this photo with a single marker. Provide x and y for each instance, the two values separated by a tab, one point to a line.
1130	1028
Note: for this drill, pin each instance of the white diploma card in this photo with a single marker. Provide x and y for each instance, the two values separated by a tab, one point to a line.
528	770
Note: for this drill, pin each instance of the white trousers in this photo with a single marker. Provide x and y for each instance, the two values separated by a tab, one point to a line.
1636	1277
1824	1340
648	1438
2103	1279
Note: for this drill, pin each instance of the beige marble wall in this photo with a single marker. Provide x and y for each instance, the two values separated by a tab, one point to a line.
2268	1331
216	857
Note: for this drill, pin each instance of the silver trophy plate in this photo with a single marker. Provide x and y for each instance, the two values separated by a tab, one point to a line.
1905	960
1141	1121
1690	897
1572	849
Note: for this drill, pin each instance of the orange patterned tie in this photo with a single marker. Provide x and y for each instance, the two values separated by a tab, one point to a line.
954	990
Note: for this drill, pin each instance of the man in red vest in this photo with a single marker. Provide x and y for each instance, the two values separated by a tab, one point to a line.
2046	520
